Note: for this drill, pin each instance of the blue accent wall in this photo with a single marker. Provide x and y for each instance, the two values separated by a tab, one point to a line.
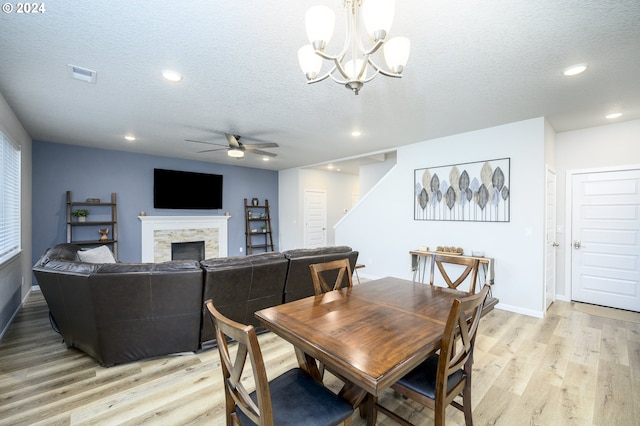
96	173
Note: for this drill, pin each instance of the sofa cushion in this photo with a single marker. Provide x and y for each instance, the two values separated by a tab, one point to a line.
321	251
124	268
64	251
298	280
170	266
176	265
70	267
226	262
100	254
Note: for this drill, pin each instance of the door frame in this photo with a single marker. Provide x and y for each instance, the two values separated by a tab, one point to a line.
568	211
553	248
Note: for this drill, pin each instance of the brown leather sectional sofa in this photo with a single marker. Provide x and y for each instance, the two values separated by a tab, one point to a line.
122	312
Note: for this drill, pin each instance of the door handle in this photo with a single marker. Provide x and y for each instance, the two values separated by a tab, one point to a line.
556	244
576	244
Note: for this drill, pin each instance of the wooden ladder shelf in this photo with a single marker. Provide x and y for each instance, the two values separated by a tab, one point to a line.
258	227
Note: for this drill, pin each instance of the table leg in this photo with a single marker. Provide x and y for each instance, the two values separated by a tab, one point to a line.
355	395
308	364
372	413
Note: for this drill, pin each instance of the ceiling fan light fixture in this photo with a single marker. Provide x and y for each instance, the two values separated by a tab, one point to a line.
235	153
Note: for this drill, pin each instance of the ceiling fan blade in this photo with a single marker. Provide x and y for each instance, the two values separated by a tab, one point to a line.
212	150
262	145
208	143
255	139
233	142
259	152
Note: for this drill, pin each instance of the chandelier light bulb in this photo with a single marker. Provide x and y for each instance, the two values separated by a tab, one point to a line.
319	22
396	53
352	68
378	17
309	61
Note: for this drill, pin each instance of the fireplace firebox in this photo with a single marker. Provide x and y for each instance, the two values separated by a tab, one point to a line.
190	250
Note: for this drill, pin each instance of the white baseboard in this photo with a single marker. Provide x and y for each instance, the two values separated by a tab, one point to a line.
518	310
13	316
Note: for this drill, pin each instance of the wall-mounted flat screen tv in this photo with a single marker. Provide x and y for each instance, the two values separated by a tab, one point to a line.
174	189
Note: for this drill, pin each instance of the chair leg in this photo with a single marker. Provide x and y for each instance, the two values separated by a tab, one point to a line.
466	403
439	412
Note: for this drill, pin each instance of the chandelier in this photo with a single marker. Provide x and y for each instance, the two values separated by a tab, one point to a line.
360	66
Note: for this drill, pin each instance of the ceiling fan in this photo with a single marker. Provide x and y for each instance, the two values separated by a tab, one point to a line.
236	149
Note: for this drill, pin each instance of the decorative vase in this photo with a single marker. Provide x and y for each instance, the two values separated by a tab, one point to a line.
255	201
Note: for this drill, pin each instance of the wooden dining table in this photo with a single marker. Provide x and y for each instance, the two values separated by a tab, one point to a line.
369	335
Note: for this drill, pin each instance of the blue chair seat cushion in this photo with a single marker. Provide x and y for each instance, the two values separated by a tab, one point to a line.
298	399
422	379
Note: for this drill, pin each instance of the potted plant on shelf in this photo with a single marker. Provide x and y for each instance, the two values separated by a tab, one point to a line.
80	214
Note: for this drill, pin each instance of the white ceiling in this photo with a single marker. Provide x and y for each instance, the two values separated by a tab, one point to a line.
473	64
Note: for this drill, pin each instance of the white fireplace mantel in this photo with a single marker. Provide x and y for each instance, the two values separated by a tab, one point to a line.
158	230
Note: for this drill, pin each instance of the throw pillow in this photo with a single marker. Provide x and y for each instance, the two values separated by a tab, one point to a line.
100	254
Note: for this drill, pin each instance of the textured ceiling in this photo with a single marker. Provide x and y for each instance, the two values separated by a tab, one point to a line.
473	64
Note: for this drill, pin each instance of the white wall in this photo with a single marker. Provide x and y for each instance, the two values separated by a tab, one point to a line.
382	228
290	206
370	174
599	147
291	186
15	276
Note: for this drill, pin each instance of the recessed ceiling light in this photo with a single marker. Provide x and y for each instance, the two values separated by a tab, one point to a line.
130	138
356	133
330	167
171	75
575	69
265	158
613	115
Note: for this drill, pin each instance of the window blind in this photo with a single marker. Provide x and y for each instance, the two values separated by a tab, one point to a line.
9	199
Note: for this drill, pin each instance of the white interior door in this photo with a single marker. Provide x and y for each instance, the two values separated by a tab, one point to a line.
315	218
605	235
550	239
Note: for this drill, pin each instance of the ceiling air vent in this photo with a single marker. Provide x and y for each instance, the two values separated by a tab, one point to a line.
83	74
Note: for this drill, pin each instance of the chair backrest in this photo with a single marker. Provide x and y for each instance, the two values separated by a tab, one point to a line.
470	267
232	369
319	275
459	336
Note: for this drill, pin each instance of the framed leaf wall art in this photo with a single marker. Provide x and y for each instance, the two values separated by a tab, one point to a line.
467	192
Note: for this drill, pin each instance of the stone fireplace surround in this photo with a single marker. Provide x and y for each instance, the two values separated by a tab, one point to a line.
158	232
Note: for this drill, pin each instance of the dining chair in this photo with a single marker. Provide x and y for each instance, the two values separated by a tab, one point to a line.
320	272
470	267
293	398
442	377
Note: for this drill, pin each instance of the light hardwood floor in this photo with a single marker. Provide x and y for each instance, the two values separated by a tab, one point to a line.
571	368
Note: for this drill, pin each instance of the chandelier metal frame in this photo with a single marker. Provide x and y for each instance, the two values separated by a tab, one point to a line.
361	56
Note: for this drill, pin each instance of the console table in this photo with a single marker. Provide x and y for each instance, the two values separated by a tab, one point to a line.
419	264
